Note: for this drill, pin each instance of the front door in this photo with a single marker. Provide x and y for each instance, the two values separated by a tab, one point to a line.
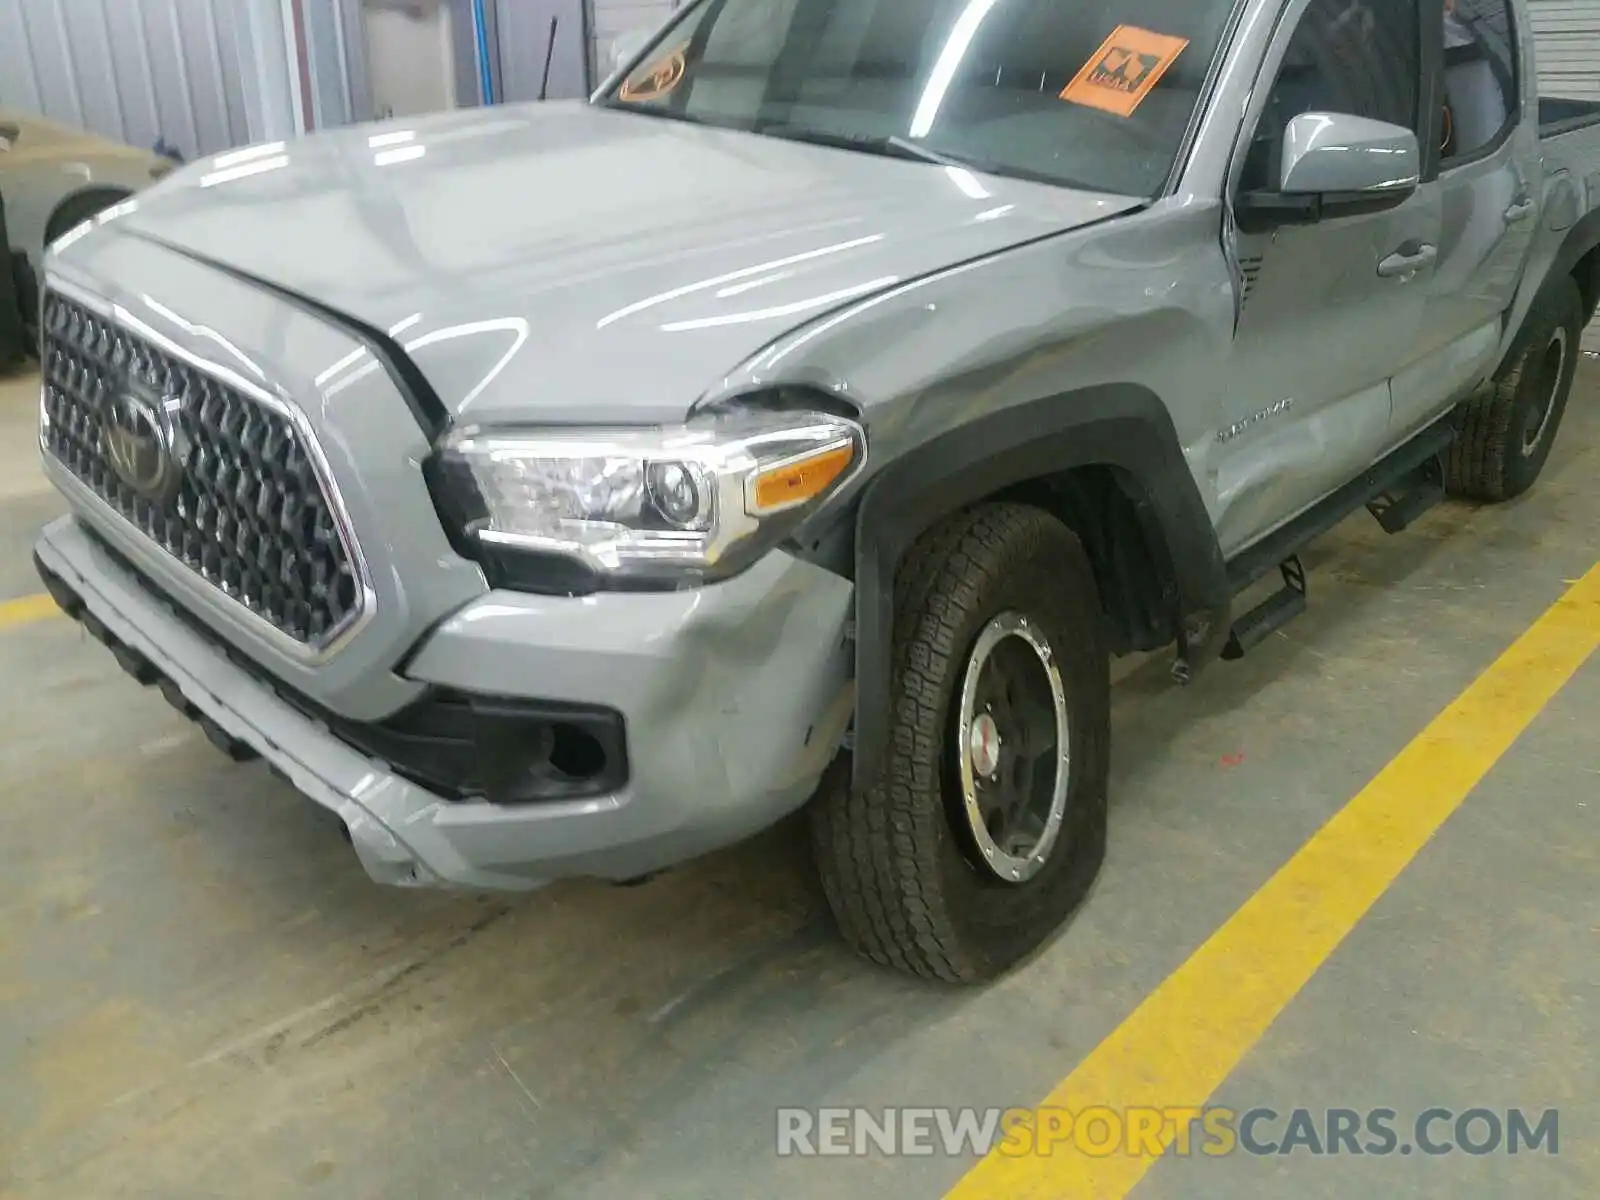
1322	328
1488	157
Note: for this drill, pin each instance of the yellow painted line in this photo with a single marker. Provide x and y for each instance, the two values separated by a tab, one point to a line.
1188	1035
26	610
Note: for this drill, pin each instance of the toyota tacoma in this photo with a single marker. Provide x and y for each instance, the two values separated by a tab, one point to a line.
808	418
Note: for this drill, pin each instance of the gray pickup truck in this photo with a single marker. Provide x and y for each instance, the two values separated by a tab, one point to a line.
571	490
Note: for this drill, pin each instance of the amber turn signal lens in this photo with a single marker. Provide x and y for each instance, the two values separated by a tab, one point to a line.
797	481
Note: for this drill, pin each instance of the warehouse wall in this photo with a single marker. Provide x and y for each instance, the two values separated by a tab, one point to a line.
1568	46
410	59
521	31
1568	41
205	75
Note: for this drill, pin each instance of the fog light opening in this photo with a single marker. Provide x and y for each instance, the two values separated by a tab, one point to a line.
529	756
576	753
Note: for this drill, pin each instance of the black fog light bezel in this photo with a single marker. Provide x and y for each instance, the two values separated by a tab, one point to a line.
530	753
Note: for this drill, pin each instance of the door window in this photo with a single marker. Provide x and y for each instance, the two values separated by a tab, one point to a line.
1357	57
1480	78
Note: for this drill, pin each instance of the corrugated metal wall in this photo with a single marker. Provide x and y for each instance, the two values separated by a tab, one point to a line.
1568	42
205	75
1567	34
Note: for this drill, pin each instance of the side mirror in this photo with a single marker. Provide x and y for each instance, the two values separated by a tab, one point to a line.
1337	165
627	46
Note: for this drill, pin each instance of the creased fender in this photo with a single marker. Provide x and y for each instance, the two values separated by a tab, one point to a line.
1117	425
1579	242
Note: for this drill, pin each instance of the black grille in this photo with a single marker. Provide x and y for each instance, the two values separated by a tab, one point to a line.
246	511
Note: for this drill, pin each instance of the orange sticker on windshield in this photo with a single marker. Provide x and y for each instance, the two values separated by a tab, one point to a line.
1125	70
658	80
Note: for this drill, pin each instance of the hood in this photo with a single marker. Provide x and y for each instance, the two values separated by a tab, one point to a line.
563	261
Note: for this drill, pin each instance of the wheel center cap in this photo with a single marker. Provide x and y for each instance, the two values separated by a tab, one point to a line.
985	747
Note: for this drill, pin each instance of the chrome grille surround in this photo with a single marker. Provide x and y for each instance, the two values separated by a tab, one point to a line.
255	513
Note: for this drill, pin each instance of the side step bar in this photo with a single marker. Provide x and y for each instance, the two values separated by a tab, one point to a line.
1409	461
1399	513
1397	491
1271	615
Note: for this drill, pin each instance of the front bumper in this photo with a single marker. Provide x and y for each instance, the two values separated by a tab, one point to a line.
734	698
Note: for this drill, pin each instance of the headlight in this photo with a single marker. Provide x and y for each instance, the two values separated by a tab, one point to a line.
667	506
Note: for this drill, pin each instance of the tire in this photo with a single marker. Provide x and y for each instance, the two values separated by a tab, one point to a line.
25	289
13	314
901	862
1506	431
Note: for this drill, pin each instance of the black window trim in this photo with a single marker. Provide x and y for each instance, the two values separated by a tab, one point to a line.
1208	93
1435	149
1429	88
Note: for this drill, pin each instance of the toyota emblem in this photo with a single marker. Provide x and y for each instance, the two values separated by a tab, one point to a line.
140	444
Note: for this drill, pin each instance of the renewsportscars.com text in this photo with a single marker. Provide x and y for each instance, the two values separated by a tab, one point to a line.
1153	1132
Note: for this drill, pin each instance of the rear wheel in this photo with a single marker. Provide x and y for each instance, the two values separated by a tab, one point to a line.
1508	428
987	825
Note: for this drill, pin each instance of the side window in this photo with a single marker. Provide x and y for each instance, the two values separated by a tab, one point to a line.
1481	88
1358	57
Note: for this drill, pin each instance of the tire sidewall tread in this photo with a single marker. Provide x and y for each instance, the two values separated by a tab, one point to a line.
899	879
1486	462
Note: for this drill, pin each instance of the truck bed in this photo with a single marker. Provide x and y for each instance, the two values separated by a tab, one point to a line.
1558	116
1569	136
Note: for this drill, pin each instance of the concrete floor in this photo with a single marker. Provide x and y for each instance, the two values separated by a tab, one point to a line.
201	995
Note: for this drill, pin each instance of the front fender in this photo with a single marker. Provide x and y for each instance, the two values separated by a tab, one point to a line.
1117	425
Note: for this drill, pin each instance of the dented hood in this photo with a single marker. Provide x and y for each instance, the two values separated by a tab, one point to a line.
617	261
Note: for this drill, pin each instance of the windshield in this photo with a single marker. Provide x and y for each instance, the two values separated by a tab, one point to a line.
1089	93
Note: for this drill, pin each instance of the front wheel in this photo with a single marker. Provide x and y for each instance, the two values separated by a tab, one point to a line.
987	824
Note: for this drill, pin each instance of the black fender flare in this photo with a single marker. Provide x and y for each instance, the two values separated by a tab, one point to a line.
1123	426
100	196
1582	240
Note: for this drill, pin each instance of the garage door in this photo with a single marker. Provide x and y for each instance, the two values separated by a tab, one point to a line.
1567	36
1568	44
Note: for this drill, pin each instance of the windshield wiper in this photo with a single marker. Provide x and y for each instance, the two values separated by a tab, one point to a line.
889	146
711	121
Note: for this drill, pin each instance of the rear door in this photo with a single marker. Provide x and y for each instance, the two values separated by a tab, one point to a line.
1322	329
1487	161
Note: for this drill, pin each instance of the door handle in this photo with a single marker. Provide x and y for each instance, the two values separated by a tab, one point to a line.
1520	211
1403	264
